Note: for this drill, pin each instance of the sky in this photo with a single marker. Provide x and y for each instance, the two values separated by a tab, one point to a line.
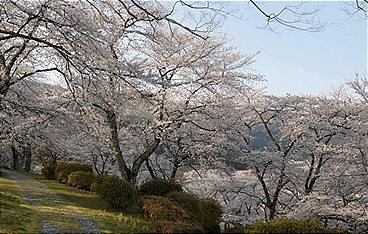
299	62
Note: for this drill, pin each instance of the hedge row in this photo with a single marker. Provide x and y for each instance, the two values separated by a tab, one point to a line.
290	225
284	225
61	171
167	207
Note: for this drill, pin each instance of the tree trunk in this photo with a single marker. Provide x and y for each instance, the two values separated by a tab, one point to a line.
4	78
150	169
27	157
272	210
15	162
124	170
129	175
174	170
142	158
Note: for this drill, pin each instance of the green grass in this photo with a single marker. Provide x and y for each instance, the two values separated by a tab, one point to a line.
16	215
87	203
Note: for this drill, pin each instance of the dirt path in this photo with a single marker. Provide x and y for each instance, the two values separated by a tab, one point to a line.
57	217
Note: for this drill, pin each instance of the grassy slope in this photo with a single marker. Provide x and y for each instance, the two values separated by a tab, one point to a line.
16	215
90	205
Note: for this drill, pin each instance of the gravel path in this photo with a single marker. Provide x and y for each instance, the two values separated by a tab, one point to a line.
41	197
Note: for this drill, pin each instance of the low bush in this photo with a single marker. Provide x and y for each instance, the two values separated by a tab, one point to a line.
166	216
159	187
3	165
159	226
119	193
48	171
187	201
207	212
235	229
163	208
81	179
211	215
290	225
98	180
64	169
94	187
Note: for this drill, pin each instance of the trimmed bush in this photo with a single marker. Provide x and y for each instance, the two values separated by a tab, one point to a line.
159	187
81	180
159	226
163	208
48	171
64	169
211	215
238	228
3	165
290	225
119	193
98	180
166	216
207	212
187	201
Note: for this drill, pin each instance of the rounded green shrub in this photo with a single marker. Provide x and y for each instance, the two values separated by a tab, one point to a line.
159	226
64	169
163	208
211	215
207	212
166	216
94	187
99	179
81	179
48	171
238	228
3	165
119	193
290	225
188	201
159	187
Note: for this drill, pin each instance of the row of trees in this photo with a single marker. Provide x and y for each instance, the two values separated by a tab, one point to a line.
134	55
312	161
144	95
262	156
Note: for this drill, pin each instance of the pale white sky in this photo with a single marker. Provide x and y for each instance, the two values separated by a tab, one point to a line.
298	62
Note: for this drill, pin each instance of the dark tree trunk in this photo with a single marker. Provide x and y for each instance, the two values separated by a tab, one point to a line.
272	213
151	148
129	174
150	169
15	162
124	170
174	170
27	158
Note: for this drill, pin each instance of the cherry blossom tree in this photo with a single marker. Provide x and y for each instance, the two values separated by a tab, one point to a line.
309	165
